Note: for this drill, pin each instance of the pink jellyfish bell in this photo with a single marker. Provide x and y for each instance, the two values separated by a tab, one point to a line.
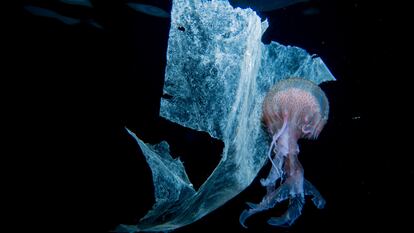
294	108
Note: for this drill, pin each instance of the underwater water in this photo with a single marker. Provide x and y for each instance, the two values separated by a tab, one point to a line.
82	83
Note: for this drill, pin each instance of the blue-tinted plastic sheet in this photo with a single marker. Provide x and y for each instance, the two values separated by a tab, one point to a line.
218	72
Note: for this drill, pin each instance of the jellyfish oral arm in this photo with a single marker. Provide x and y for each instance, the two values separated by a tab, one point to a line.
293	187
285	166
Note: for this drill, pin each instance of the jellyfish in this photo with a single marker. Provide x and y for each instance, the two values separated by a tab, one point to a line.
294	108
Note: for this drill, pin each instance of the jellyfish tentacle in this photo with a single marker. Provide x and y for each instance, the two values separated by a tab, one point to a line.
282	193
307	129
296	205
268	201
252	205
274	140
246	214
296	197
269	153
276	170
293	185
291	188
310	190
292	213
254	208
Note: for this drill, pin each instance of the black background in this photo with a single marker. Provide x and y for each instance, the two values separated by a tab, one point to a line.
75	88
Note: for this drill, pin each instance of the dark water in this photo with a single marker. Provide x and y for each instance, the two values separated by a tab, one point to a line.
77	87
